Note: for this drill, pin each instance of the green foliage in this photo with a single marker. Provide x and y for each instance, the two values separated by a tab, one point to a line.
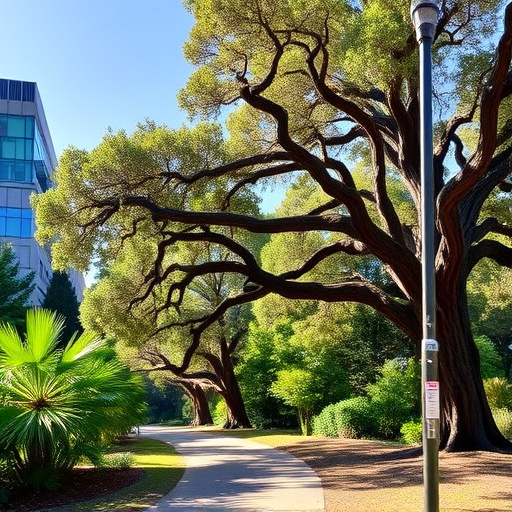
219	413
61	298
499	393
299	388
60	404
332	110
503	419
165	400
395	395
352	418
491	364
490	295
14	289
120	460
279	362
412	432
391	401
257	370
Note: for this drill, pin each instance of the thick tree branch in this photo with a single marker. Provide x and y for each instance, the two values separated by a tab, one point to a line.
491	249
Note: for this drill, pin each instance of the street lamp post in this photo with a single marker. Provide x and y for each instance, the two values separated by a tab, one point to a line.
425	16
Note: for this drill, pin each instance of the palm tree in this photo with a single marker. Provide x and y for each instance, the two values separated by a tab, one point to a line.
57	405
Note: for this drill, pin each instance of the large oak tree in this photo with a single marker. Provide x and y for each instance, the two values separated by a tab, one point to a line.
323	88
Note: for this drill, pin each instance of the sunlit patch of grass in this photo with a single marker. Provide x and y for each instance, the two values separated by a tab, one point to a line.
163	469
270	437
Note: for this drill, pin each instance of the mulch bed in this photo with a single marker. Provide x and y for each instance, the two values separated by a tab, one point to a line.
79	485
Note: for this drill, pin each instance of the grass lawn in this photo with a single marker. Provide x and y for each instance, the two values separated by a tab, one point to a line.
272	437
163	469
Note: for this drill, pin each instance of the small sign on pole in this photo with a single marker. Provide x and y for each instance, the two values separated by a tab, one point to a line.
432	408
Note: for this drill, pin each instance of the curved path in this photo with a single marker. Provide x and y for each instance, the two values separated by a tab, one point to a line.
231	474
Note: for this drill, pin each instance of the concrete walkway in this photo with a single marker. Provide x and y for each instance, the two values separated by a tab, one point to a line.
229	474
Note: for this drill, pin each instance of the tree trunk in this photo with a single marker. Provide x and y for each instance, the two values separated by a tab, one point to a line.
467	422
200	409
236	413
306	421
227	387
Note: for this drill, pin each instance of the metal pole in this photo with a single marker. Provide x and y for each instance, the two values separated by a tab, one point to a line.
429	345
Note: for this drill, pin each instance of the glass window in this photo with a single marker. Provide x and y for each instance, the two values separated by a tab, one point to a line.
16	126
8	147
19	173
12	227
20	149
16	222
4	170
26	228
28	149
3	125
29	127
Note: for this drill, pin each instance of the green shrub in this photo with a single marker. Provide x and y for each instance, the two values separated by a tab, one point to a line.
499	393
392	400
120	460
355	418
503	419
395	396
412	432
352	418
324	424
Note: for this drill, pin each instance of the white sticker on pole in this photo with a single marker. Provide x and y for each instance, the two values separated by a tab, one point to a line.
432	408
429	345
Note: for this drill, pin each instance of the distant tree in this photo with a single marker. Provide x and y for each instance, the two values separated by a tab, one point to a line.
14	289
165	399
61	297
491	364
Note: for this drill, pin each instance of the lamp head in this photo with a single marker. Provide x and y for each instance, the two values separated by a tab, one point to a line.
425	16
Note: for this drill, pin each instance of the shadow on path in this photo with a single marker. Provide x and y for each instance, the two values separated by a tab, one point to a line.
229	474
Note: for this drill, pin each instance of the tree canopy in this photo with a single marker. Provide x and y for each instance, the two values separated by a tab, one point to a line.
325	93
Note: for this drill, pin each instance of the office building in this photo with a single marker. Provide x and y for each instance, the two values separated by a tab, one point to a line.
27	160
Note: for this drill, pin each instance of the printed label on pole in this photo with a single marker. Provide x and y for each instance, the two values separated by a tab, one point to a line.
432	408
430	345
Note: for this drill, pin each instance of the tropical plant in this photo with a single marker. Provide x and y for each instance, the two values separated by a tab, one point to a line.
58	405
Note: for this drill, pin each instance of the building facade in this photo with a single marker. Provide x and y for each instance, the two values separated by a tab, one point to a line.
27	160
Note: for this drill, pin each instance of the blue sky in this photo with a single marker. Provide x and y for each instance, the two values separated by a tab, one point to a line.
98	63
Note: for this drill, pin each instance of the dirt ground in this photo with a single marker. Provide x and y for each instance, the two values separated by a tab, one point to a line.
367	476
